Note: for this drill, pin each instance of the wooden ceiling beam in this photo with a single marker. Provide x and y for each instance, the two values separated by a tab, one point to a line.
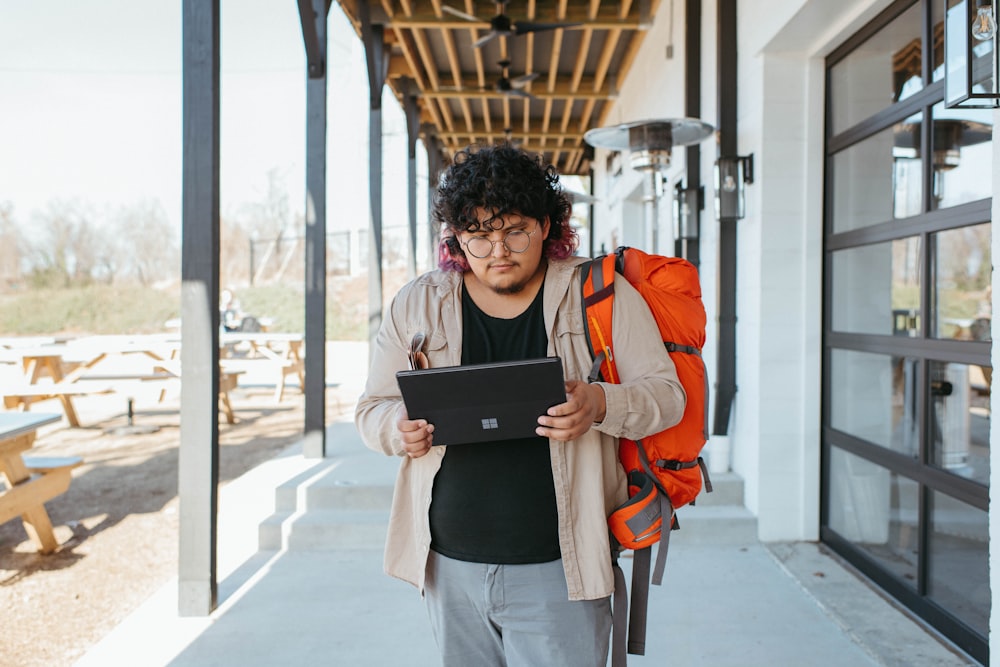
534	133
561	93
447	22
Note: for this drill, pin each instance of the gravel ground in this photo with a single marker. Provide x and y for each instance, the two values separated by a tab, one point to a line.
117	524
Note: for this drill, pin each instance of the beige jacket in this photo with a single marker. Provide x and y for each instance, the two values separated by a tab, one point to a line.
589	482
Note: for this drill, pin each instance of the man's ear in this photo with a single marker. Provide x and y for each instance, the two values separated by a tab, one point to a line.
546	228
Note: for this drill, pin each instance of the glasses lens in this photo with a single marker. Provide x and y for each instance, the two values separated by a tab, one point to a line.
479	246
517	241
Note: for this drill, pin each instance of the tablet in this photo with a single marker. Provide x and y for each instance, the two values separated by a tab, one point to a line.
483	402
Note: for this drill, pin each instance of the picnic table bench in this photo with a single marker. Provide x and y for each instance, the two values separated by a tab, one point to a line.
31	481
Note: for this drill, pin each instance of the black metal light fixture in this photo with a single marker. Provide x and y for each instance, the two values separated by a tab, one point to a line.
970	55
688	203
649	143
732	175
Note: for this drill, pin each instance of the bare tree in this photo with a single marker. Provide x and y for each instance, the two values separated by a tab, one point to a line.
68	246
271	216
234	268
11	247
147	246
271	240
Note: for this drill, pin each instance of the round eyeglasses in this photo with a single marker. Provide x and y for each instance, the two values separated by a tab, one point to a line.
481	247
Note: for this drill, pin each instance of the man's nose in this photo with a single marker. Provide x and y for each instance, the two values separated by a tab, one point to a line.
500	246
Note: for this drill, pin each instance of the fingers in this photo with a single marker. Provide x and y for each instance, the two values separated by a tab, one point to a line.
562	428
420	359
417	435
575	417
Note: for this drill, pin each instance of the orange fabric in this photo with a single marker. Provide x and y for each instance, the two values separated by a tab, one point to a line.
671	288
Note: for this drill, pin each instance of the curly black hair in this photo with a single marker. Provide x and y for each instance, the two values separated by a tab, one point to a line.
502	179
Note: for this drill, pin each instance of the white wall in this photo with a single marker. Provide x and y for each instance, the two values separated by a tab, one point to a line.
775	429
994	429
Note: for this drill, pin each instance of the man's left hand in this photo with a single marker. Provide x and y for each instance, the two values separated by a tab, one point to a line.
585	405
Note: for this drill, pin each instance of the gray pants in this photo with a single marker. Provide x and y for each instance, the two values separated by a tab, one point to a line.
512	615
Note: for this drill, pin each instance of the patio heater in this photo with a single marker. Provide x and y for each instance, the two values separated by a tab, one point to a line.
649	143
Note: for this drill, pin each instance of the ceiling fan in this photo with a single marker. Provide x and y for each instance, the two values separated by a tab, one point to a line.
508	136
501	24
505	85
512	87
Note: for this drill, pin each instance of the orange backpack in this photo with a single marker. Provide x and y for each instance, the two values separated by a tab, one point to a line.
665	469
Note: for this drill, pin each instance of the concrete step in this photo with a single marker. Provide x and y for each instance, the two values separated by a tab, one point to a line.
331	529
346	504
721	524
727	489
324	530
334	492
358	479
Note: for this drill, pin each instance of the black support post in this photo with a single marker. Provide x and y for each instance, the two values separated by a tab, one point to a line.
314	29
728	146
378	62
412	112
690	249
198	466
435	165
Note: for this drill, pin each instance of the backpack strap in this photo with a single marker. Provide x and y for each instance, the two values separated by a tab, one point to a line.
619	613
597	282
678	465
667	510
688	349
641	559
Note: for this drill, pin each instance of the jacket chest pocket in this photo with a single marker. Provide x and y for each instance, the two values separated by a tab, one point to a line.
570	343
435	346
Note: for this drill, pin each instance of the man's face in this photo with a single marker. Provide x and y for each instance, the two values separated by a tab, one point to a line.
503	270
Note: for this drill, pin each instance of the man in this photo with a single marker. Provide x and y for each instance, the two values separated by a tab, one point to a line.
508	541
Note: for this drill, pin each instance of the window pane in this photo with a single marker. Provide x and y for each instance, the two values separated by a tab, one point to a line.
960	419
879	179
958	577
962	155
883	70
876	288
873	397
962	296
878	511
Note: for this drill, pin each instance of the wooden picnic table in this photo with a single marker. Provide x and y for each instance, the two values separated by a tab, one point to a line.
80	367
31	481
280	353
43	378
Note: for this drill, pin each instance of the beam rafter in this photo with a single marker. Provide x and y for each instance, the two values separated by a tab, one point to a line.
580	67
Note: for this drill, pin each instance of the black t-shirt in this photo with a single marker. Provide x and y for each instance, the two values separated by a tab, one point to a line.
495	502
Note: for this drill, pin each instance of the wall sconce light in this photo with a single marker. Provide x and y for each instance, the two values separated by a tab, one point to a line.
970	56
732	175
688	203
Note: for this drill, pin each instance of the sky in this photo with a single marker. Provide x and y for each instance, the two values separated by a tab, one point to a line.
90	108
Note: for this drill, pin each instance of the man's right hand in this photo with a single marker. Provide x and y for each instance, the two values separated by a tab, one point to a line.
417	434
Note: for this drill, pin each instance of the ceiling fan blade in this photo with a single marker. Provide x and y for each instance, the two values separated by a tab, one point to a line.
485	39
462	15
522	27
524	79
514	92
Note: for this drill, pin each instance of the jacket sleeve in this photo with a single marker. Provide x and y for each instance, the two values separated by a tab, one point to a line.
649	397
379	405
